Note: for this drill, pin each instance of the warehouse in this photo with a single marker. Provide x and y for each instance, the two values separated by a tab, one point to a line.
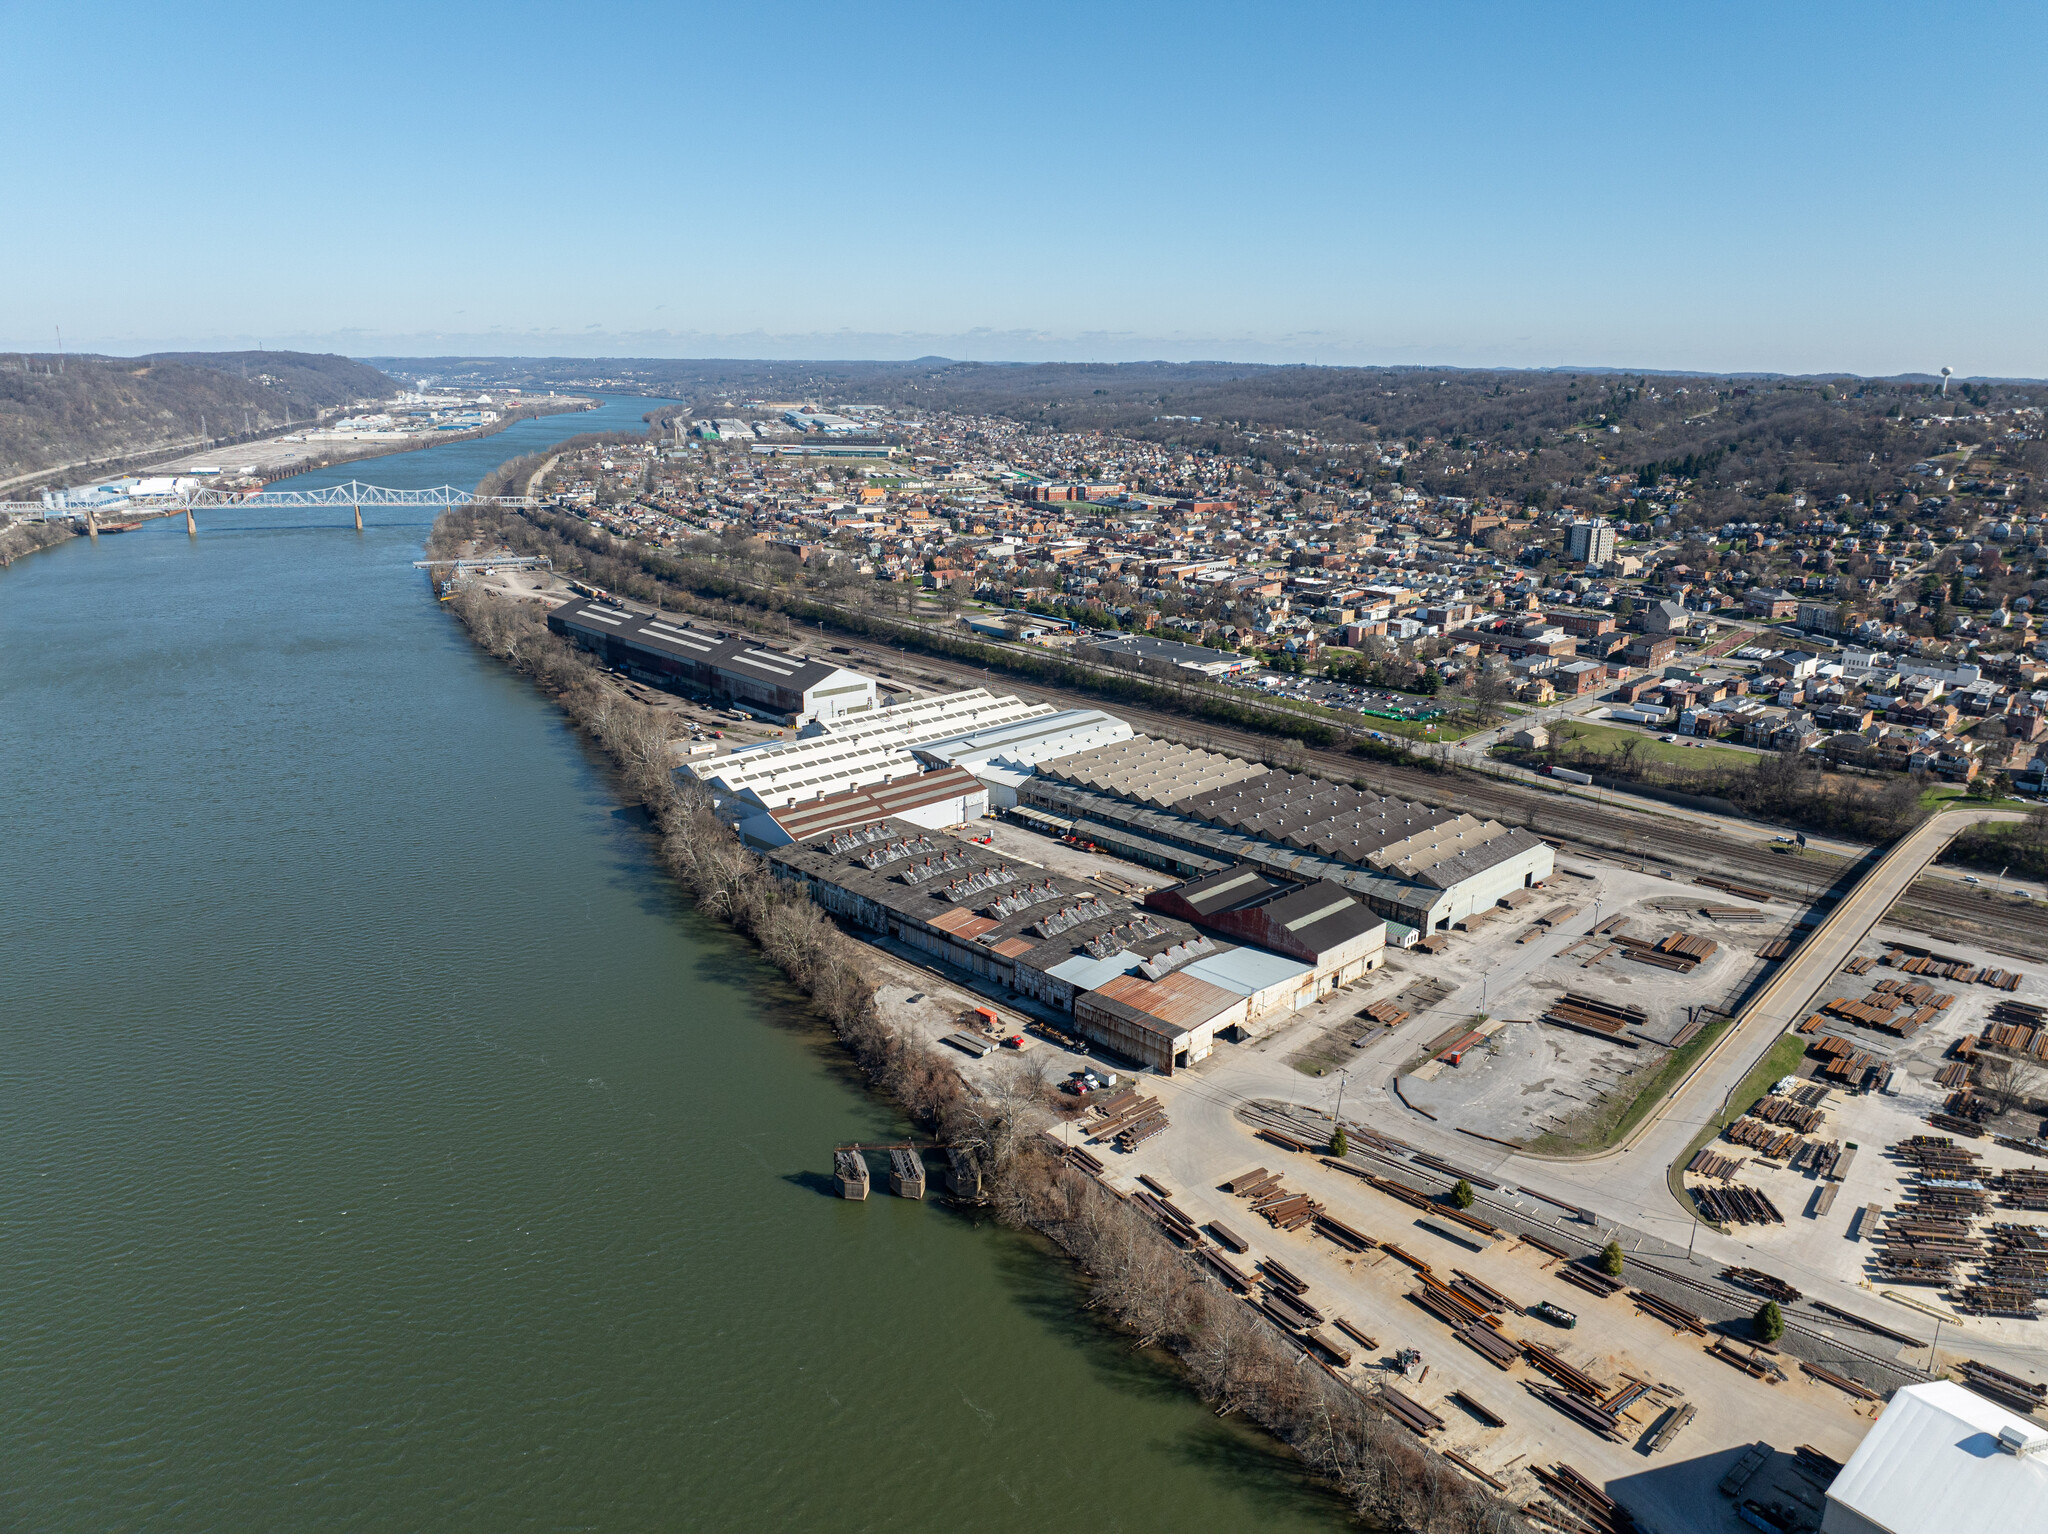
933	800
1423	868
1156	772
1322	925
1139	982
969	906
940	717
835	756
1168	1024
1943	1458
1003	755
786	689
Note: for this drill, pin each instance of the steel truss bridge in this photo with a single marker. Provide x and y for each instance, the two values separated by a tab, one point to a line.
354	495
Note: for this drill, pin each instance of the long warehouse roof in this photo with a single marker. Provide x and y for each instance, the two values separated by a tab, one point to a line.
706	647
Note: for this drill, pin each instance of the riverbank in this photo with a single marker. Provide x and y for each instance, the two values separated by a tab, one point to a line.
1138	1281
29	537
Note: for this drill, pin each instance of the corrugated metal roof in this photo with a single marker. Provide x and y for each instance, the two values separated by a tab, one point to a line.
1931	1464
1242	971
1181	1000
963	923
1086	974
858	806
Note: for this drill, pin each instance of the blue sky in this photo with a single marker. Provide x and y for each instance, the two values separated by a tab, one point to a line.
1798	188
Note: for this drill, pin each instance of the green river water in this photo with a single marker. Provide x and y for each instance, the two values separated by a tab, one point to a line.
387	1147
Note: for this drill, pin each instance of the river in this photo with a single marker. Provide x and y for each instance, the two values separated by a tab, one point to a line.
387	1147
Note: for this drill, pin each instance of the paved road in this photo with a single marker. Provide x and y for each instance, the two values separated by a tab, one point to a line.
1787	996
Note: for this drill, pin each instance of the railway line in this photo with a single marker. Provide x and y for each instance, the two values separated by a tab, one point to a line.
1648	838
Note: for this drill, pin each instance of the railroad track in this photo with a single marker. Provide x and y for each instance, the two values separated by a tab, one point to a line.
1930	905
1724	1295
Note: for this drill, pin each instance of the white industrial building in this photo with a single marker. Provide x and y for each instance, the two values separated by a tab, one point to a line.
1943	1459
835	756
930	719
932	800
1003	755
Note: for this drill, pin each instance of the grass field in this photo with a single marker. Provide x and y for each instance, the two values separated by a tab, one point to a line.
1780	1060
1608	740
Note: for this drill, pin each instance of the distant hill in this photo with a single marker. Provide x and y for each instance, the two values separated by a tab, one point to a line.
80	415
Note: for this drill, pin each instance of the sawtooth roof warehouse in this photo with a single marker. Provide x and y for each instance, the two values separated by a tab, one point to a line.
1296	884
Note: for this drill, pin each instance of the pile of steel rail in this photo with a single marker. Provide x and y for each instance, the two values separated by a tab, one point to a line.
1674	951
2022	1188
1842	1062
1818	1157
1737	1205
1587	1413
1285	1210
1129	1120
1675	1316
1411	1414
1953	969
1774	1143
2007	1389
1180	1230
1755	1363
1593	1281
1588	1014
1577	1381
1839	1381
1762	1283
1746	891
1711	1163
1733	913
1996	1300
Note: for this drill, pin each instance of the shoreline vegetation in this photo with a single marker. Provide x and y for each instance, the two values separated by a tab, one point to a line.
1138	1281
25	538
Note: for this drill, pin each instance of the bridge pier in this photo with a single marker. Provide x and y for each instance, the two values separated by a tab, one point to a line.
359	516
92	525
191	527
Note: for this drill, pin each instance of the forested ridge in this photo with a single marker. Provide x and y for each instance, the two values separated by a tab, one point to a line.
84	410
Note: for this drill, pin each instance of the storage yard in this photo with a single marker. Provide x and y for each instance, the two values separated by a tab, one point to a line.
1583	990
1659	1395
1210	960
1470	1332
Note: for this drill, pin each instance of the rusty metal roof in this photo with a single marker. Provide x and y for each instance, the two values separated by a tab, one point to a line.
1179	1000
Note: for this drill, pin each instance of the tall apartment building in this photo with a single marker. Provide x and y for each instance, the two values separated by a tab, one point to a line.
1592	542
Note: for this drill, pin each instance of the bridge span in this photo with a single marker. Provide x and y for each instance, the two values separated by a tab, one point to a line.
354	495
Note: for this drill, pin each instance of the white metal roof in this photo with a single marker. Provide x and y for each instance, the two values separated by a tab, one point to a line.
1932	1464
1085	974
1243	971
856	752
